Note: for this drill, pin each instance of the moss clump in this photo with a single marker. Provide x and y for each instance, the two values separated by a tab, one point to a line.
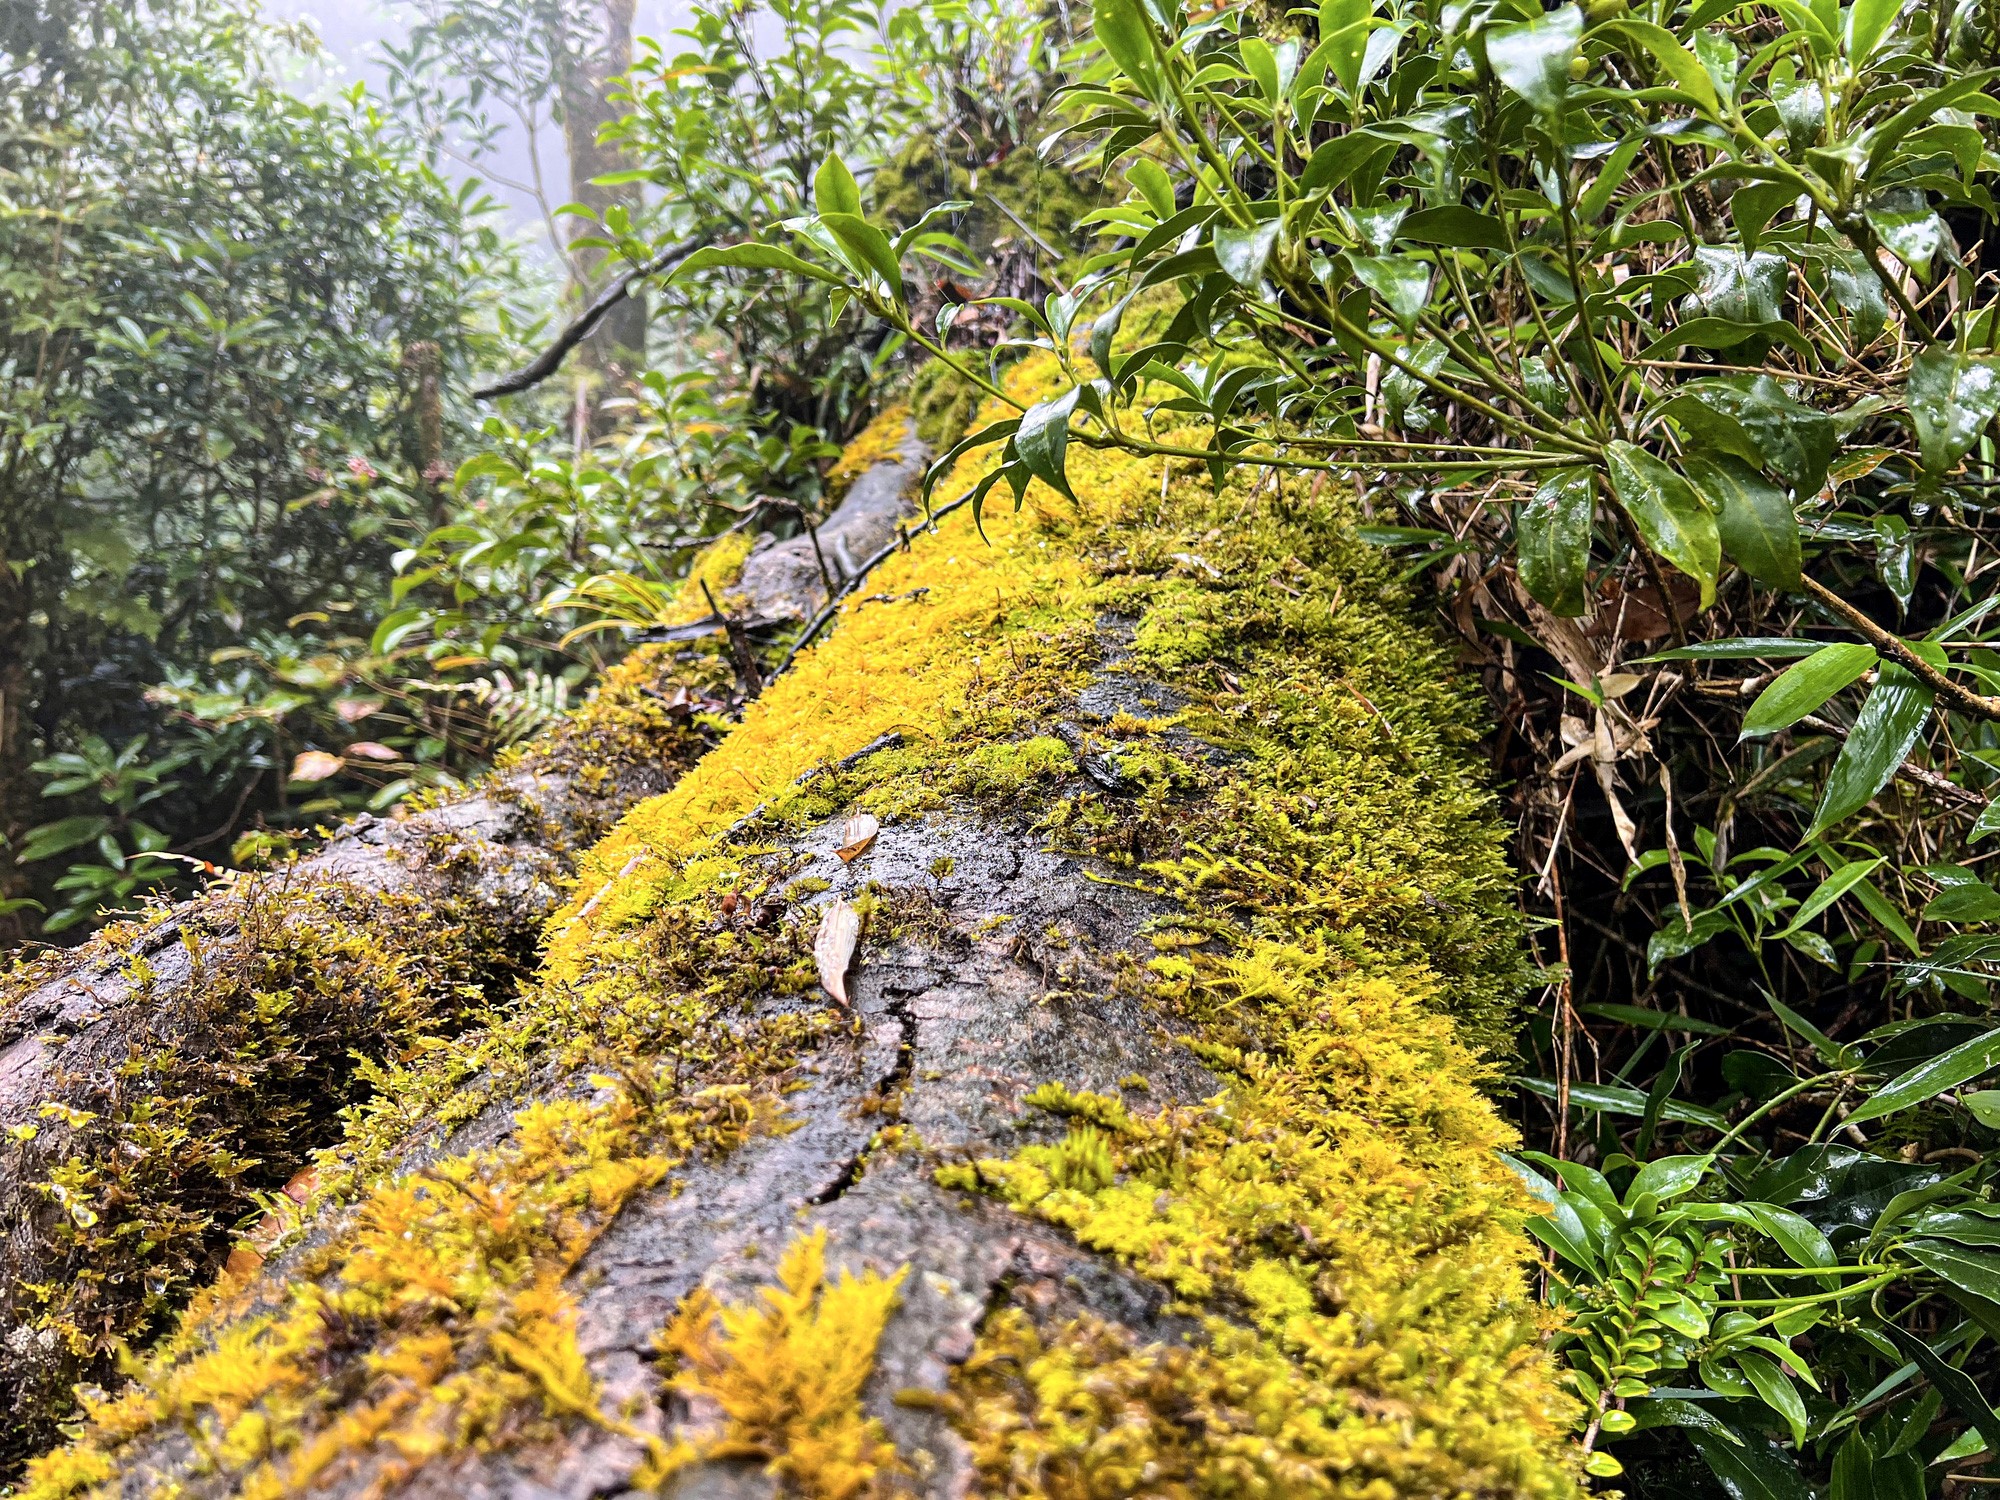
1337	1217
942	404
879	442
435	1318
1336	940
786	1374
718	565
120	1199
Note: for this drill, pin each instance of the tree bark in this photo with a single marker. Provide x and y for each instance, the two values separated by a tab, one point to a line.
391	935
1140	1126
615	351
16	796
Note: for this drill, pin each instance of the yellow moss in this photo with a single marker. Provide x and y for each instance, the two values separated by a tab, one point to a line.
443	1302
1339	950
881	440
718	565
906	667
787	1374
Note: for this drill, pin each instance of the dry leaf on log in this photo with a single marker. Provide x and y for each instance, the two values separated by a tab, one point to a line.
833	948
856	837
314	765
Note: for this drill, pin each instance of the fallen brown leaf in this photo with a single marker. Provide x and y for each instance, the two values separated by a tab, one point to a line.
314	765
858	834
833	947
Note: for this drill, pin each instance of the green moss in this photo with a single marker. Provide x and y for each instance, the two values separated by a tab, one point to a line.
434	1319
942	404
1048	198
123	1196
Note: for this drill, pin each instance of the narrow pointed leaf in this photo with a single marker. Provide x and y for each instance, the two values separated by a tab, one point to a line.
834	188
1891	721
1800	689
1961	1064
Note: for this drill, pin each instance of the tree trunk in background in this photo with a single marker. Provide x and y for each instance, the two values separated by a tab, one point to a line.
17	796
615	353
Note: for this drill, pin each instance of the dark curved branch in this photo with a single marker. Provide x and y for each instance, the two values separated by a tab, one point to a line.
550	359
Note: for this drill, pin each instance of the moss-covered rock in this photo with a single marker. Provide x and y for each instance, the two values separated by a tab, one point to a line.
1150	1148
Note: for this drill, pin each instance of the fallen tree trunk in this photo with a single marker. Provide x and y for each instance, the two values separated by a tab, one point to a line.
160	1081
1035	1053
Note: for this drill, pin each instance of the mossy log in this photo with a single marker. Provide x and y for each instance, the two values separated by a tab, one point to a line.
159	1080
1039	1051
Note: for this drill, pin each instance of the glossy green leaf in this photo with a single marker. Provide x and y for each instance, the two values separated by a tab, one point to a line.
1560	1228
1612	1099
1829	890
1552	540
1751	1467
1774	1386
1868	21
1261	63
1679	64
1741	648
1891	720
1402	283
1973	902
1243	252
867	246
1533	58
1961	1064
1754	517
1858	293
1668	513
1958	1387
1799	1238
1952	398
1969	1271
1905	222
1754	420
1803	688
1042	439
1985	1107
753	257
1669	1177
834	188
1743	287
1343	27
1153	184
1122	31
1454	225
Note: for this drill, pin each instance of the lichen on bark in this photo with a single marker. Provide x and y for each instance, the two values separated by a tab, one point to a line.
1160	1102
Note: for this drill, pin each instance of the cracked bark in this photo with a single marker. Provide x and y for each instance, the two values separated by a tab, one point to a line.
486	869
952	1030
